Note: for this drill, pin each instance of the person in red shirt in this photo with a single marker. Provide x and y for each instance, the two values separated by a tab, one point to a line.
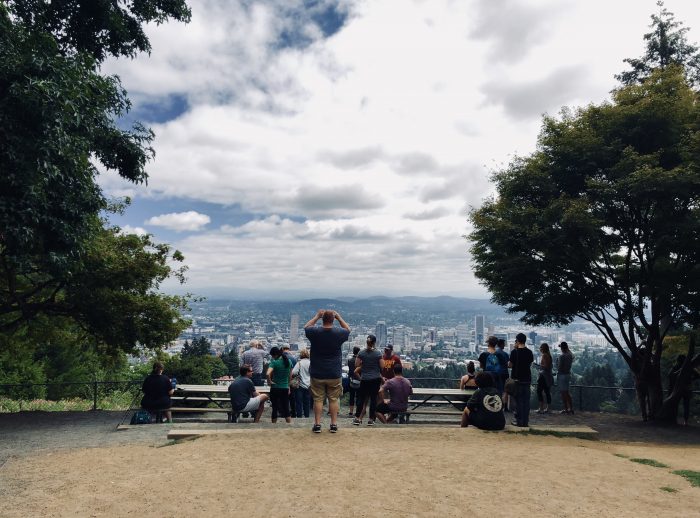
390	359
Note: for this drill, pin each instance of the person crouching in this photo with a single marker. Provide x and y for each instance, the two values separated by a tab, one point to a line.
485	408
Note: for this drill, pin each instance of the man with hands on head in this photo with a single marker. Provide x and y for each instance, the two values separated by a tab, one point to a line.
326	363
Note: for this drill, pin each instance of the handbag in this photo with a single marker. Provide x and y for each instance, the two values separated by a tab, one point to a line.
354	383
295	382
511	385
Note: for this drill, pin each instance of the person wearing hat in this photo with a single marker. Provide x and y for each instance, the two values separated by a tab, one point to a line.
390	359
564	364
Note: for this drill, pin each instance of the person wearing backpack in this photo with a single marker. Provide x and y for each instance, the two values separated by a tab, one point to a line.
493	363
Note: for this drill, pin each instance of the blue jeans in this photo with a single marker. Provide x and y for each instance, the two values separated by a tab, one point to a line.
302	399
522	403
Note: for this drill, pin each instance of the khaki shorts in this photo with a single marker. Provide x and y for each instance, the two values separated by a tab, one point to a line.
332	388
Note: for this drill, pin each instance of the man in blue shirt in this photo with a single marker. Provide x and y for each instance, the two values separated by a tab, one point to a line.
326	364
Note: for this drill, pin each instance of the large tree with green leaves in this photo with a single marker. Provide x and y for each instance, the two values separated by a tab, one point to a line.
58	128
602	221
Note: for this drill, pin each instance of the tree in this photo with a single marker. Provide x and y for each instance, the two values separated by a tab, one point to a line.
666	45
197	348
58	124
231	361
602	223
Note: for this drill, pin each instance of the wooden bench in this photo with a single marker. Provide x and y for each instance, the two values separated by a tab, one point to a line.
202	410
196	398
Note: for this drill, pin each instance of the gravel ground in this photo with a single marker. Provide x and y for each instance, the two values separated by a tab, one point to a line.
28	433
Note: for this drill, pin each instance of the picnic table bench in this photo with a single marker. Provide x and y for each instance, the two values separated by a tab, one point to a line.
207	394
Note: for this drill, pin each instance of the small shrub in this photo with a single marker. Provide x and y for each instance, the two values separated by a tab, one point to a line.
668	489
691	476
650	462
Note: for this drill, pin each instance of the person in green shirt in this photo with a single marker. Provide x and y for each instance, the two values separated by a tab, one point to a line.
279	373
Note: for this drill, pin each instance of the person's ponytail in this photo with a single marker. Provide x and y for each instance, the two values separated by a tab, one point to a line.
285	360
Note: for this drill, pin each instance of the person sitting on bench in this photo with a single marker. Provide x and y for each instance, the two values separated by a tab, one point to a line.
157	389
244	397
485	407
399	389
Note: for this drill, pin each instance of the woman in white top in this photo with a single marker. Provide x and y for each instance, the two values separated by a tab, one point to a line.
302	395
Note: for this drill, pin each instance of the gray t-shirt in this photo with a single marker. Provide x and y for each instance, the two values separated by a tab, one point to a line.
565	362
370	364
326	351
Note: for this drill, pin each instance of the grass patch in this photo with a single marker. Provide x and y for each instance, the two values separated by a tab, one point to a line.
621	455
173	442
691	476
650	462
560	434
668	489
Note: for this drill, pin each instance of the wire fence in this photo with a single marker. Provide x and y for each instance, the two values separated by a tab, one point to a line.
124	394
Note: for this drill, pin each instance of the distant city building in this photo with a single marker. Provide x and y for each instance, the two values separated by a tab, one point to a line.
479	329
294	329
380	333
532	335
462	332
269	329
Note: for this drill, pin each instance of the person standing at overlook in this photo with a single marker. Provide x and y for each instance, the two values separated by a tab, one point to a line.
390	359
566	360
326	366
254	356
369	364
520	360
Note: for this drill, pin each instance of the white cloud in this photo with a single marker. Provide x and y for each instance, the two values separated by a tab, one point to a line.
180	221
128	229
356	154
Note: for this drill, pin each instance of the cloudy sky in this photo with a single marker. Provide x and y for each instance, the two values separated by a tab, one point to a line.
329	148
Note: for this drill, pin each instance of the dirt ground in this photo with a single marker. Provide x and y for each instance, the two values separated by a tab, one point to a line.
359	472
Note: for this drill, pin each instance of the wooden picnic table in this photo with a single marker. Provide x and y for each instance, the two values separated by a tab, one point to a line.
186	392
453	396
206	394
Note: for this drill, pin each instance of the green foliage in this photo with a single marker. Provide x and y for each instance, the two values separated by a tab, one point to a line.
691	476
231	361
668	489
198	347
666	45
650	462
603	215
98	28
58	257
198	370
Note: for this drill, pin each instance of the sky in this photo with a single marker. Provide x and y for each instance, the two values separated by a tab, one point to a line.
334	148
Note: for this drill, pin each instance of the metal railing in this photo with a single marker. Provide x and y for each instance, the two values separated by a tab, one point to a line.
95	395
28	396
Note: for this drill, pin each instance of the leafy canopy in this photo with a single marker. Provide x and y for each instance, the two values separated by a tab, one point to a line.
666	45
58	129
603	220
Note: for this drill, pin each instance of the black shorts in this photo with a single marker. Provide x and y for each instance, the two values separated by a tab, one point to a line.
383	408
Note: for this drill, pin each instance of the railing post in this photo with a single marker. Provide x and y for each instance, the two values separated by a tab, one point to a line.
580	398
94	395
